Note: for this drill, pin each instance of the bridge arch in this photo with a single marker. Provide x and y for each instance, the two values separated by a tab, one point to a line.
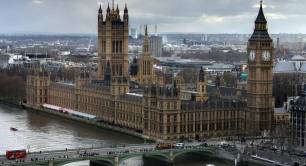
126	157
162	155
200	152
106	161
61	163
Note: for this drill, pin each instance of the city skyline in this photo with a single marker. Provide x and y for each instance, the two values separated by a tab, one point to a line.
193	16
77	88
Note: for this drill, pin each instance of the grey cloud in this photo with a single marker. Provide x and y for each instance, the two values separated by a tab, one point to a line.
211	16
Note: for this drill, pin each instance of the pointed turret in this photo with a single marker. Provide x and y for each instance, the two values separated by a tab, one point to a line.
100	9
108	13
201	86
146	62
126	13
260	31
261	16
118	12
126	9
108	9
146	41
146	31
201	75
113	7
100	14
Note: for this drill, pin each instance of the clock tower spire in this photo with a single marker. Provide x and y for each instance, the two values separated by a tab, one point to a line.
260	101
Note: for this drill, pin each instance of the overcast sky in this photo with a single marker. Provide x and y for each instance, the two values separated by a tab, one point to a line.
205	16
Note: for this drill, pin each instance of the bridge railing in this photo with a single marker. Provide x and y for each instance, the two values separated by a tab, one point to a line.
87	148
115	152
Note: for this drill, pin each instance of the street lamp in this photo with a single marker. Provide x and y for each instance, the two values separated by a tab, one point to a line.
28	147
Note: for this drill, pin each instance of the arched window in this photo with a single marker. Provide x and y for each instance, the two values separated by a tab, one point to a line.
120	69
120	46
117	46
113	46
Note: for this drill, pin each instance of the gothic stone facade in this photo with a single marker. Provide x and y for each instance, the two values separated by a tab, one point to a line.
154	109
259	97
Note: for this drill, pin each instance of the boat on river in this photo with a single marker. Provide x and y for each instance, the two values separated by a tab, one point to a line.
13	129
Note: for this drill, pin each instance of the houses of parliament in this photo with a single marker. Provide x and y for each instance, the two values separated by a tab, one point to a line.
135	96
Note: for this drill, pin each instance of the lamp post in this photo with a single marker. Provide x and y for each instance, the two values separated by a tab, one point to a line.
28	147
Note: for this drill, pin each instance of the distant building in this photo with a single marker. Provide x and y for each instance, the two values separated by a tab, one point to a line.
134	33
165	39
277	43
156	46
13	60
281	117
288	79
298	121
81	51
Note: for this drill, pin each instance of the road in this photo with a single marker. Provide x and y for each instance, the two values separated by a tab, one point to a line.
80	153
255	147
246	148
76	153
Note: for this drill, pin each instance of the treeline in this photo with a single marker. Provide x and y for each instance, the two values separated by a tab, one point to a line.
12	87
215	55
228	79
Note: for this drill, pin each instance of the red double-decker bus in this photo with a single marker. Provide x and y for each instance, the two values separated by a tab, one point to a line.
15	154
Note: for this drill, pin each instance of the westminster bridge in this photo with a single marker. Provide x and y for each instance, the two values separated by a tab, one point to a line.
116	155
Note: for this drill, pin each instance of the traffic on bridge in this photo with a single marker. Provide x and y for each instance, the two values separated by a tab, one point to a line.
70	155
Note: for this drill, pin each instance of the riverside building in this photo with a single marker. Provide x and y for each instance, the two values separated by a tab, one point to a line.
136	97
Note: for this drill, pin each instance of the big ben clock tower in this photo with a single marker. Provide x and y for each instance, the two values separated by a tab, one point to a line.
259	92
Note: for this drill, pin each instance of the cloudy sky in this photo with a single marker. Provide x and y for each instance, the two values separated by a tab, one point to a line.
206	16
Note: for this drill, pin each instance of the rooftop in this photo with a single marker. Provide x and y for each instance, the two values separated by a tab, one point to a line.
290	67
298	58
213	103
280	110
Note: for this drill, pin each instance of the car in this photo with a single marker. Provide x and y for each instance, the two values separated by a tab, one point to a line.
179	145
273	148
204	144
203	140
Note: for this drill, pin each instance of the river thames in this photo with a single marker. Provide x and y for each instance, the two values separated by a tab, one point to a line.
42	132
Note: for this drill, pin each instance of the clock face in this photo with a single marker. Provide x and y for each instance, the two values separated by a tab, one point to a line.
252	55
266	56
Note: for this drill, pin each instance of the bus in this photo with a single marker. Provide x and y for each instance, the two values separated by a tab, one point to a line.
16	154
161	146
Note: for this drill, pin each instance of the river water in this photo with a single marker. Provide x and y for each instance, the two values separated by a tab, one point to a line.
41	132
